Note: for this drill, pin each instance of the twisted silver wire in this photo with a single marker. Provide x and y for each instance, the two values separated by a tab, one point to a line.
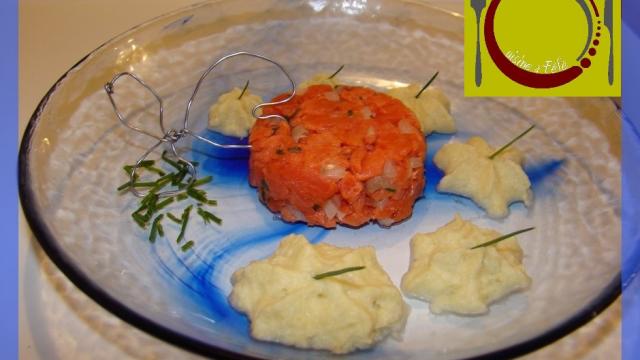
172	136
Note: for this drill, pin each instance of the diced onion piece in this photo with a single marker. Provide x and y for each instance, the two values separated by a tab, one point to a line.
415	162
297	214
332	96
333	171
386	222
370	136
366	112
389	170
337	201
380	204
405	127
376	183
298	132
330	209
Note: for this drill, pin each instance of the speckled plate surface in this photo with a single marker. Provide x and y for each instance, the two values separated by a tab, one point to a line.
74	148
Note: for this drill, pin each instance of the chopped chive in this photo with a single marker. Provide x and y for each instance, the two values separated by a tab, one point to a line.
212	202
127	185
246	85
391	190
142	208
280	152
139	220
154	228
511	142
198	195
124	186
160	184
337	272
147	216
150	199
174	218
294	149
149	202
146	163
143	164
187	181
179	176
162	204
207	217
170	162
202	181
166	177
316	207
185	221
188	245
336	73
349	113
147	213
427	84
500	238
152	208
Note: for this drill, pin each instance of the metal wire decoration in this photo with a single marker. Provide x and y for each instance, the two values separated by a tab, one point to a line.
172	136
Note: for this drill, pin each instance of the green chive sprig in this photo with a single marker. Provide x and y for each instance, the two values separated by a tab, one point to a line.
503	237
427	84
188	245
128	184
492	156
202	181
149	212
244	89
198	195
156	228
208	217
174	218
184	222
337	272
174	164
336	72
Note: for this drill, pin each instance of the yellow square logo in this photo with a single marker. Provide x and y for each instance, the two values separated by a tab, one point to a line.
542	48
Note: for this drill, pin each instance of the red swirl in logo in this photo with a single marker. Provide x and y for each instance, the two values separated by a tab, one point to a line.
519	75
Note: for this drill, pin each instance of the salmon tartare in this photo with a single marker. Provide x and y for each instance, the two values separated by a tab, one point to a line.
346	155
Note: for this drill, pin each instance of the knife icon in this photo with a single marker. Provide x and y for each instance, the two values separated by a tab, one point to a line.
608	23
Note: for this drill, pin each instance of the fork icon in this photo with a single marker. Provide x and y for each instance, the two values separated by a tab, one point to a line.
478	6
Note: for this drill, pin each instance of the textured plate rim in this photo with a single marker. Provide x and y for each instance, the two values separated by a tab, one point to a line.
50	246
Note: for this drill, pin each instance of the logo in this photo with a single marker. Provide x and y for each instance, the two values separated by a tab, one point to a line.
542	48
